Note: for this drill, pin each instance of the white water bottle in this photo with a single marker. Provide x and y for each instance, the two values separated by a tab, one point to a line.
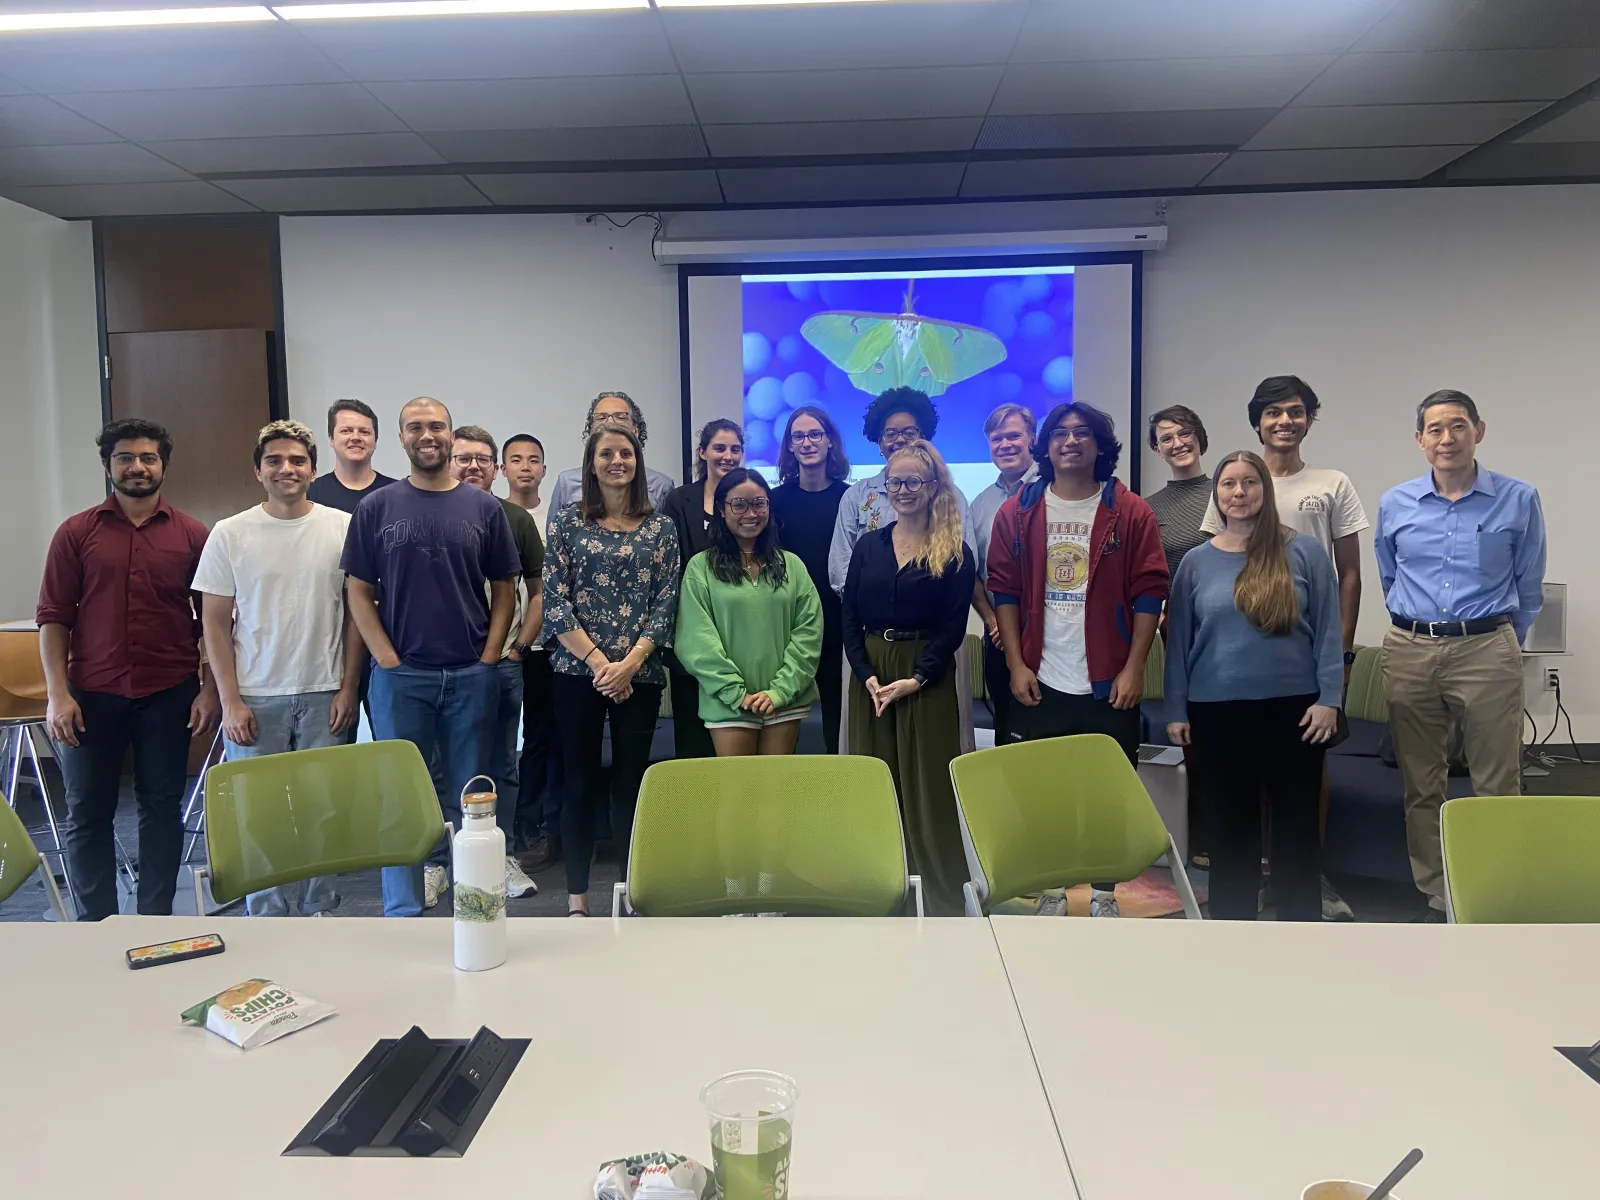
480	886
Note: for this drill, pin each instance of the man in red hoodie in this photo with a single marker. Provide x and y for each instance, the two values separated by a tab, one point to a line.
1079	577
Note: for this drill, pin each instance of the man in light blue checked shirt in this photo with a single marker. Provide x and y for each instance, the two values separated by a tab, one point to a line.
1461	555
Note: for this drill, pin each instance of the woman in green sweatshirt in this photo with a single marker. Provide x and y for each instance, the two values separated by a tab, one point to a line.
749	625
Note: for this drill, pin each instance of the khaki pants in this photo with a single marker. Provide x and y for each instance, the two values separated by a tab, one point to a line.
1434	684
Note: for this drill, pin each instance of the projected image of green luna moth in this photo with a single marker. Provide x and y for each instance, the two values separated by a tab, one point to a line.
879	351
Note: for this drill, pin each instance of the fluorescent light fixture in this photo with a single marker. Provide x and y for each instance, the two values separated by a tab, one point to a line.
443	8
124	18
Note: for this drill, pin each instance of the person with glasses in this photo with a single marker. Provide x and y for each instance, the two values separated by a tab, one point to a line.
749	625
1078	576
689	508
815	475
905	602
613	408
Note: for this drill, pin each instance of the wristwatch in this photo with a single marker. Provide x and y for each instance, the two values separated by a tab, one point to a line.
1349	658
523	648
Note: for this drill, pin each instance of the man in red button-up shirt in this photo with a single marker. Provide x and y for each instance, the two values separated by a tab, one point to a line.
119	635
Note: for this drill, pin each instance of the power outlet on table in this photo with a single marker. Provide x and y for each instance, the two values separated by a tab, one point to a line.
1552	679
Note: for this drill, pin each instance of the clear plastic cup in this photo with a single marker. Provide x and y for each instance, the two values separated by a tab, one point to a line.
752	1128
1341	1189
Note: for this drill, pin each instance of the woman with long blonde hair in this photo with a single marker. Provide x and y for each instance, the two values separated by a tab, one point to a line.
1255	678
905	616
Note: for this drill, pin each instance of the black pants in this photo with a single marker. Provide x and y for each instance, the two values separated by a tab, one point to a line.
538	800
997	682
581	714
830	691
1061	714
157	727
1245	747
690	737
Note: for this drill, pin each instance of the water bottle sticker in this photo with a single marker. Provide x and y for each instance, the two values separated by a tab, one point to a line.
479	904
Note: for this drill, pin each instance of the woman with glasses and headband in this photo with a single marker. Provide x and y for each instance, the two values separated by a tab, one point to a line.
749	625
905	602
815	475
689	509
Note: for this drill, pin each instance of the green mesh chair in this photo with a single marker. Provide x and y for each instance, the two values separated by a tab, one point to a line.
1521	859
802	834
1056	813
284	817
19	859
1365	699
1155	671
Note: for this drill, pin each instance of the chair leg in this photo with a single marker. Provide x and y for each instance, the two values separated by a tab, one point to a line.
26	733
619	899
914	884
14	741
197	799
970	895
55	892
200	874
1180	879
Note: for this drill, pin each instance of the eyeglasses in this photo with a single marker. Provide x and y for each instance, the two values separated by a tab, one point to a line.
466	460
801	436
144	460
739	505
911	483
907	433
1072	433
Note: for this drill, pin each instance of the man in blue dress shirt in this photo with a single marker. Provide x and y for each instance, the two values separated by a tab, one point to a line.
1461	556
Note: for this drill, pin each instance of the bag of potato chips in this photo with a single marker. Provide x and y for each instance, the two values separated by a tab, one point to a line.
255	1012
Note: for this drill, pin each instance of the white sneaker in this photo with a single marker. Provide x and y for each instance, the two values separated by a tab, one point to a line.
517	881
1334	907
435	881
1104	904
1051	904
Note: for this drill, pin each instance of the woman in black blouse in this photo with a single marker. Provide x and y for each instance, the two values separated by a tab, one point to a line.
905	617
689	509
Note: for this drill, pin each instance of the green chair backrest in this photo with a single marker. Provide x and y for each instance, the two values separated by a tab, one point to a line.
1053	813
1364	699
1155	671
19	857
282	817
801	834
1522	859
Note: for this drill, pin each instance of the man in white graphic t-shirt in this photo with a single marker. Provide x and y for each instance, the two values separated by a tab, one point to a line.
1316	502
286	657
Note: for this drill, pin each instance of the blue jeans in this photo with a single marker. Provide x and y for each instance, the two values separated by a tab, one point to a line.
447	715
506	724
285	723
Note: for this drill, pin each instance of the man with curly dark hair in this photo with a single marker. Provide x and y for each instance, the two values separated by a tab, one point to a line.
617	408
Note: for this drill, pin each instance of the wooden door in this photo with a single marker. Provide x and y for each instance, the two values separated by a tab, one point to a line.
210	388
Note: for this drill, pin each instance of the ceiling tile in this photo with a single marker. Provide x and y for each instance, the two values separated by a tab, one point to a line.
1066	176
900	181
35	121
366	192
107	60
1445	76
1485	25
1084	131
606	144
844	137
1389	125
1078	30
1515	160
794	96
194	113
842	36
1366	165
128	199
526	46
1580	124
1150	86
538	103
596	189
309	153
10	87
110	162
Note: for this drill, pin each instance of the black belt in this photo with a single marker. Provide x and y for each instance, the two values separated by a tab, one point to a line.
1446	629
896	635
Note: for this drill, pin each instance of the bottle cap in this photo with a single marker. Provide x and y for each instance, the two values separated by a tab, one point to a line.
480	803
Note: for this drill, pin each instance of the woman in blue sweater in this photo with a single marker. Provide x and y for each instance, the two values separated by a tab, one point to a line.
1255	677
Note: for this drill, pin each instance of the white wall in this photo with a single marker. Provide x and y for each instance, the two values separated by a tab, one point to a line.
49	391
1377	299
514	321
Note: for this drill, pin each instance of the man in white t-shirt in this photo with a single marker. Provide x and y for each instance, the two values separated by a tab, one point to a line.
286	658
1316	502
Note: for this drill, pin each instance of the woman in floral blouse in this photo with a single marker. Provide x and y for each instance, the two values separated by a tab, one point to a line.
611	600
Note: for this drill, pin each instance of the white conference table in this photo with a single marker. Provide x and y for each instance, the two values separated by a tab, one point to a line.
915	1072
1244	1060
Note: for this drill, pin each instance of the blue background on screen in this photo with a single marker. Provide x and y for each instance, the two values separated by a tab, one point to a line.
1031	314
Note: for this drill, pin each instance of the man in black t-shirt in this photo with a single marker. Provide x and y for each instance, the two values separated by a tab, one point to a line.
353	432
